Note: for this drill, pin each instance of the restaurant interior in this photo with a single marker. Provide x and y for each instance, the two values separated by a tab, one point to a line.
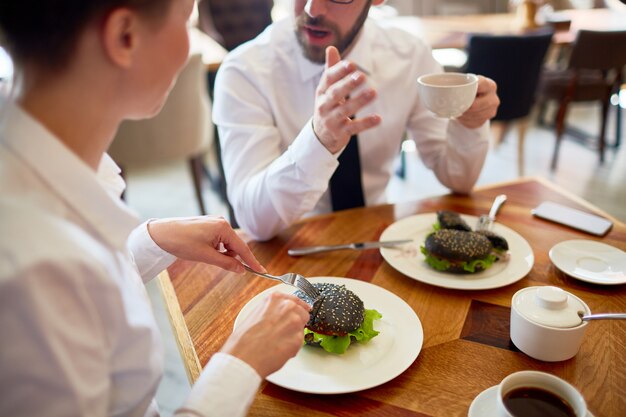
545	128
446	25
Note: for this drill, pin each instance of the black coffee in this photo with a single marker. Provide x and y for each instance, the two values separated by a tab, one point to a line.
536	402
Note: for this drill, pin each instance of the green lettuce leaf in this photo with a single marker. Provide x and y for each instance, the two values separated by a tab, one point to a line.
442	264
339	344
434	262
485	263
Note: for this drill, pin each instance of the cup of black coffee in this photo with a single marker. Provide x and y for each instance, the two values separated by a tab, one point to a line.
533	393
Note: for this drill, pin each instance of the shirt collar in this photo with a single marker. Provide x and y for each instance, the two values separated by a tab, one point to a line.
359	55
95	197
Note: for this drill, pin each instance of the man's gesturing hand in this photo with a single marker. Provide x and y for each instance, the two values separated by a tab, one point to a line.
335	103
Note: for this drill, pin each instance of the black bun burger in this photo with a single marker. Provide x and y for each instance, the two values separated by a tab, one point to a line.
499	243
458	251
452	220
338	318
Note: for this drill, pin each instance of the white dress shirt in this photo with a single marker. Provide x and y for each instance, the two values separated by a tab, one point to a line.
78	333
277	171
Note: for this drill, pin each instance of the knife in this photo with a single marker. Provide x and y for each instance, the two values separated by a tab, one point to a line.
357	246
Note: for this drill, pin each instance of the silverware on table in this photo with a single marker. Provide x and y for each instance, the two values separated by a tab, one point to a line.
604	316
290	278
486	221
357	246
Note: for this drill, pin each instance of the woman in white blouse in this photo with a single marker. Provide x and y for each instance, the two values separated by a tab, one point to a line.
78	334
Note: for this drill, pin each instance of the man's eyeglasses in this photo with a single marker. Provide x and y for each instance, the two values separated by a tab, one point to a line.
342	1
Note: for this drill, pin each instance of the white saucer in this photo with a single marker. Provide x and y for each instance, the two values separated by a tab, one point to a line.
590	261
484	405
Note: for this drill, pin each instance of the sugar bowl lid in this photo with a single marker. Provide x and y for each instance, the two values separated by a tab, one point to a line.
550	306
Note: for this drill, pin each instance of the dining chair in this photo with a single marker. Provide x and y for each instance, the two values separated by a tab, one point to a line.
218	180
182	130
514	62
233	22
593	72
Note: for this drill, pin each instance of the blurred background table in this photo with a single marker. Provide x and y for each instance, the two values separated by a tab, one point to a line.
466	333
452	31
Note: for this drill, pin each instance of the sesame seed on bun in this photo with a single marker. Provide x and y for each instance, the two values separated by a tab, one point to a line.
458	245
336	312
462	252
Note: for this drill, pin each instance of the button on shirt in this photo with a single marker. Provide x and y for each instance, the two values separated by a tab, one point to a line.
78	334
277	171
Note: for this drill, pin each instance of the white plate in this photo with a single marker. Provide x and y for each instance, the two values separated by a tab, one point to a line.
410	261
590	261
313	370
484	405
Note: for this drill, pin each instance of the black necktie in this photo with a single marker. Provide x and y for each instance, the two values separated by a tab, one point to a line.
346	190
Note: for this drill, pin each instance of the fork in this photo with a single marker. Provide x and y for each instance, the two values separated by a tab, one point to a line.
485	221
290	278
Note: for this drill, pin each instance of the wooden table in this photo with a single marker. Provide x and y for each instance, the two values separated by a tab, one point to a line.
466	333
452	31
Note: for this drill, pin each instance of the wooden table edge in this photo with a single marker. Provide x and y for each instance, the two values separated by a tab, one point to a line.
192	365
579	200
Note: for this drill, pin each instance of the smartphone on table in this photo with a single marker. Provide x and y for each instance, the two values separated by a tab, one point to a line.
577	219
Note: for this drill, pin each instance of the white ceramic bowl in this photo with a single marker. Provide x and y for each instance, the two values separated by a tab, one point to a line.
542	324
448	94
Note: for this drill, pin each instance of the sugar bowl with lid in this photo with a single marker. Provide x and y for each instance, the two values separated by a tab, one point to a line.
546	323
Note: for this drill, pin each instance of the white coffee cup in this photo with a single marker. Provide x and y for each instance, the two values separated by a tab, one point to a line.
448	94
525	380
545	323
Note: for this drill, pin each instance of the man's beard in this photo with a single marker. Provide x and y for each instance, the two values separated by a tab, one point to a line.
316	53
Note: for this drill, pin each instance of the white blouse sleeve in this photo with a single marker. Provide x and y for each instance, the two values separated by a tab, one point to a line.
268	188
226	387
149	258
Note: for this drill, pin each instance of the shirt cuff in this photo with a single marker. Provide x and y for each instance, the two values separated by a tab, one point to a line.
226	387
149	257
312	158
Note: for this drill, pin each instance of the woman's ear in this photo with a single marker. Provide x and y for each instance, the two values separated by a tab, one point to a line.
120	36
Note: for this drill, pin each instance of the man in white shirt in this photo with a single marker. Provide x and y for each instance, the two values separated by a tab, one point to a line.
285	118
78	334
